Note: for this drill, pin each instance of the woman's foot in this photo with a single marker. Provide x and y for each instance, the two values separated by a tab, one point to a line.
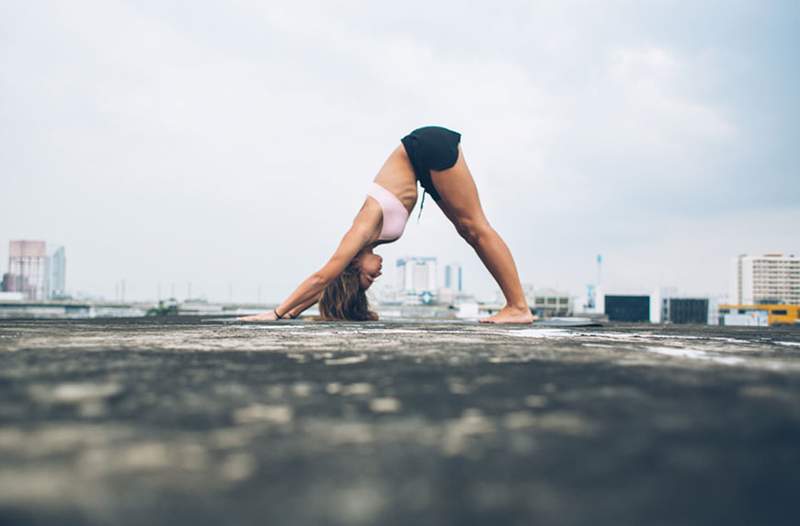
510	315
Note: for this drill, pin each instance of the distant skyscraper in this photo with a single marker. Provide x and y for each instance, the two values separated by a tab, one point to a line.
771	278
58	273
27	269
453	277
416	275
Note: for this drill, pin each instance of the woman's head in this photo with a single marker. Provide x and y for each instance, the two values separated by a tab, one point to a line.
345	297
369	265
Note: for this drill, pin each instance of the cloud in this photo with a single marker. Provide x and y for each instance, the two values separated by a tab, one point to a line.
166	142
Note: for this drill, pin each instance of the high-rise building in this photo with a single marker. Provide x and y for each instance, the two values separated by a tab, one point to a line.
27	269
416	275
58	274
453	277
767	279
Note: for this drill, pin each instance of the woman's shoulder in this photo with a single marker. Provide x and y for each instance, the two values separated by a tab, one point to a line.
370	217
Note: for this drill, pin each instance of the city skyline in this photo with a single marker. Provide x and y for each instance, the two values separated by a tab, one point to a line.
662	138
54	280
48	280
764	290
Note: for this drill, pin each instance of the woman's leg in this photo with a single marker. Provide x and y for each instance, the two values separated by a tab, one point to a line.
460	203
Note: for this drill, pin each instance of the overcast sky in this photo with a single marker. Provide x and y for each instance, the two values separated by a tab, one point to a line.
233	142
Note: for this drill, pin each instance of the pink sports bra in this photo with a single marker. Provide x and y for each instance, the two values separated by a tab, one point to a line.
395	215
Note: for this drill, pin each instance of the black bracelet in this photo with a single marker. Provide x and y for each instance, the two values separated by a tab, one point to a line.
275	310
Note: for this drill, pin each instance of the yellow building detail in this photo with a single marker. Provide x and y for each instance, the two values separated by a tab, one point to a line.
777	314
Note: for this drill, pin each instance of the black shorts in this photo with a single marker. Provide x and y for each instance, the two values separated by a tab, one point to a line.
431	148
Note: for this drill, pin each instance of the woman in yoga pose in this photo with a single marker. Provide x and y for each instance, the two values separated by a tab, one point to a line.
431	155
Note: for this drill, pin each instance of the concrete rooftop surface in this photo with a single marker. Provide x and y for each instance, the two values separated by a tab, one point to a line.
207	422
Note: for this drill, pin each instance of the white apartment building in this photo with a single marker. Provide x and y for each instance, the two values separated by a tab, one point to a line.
771	278
416	275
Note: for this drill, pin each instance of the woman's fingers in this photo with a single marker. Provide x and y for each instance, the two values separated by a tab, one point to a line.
266	316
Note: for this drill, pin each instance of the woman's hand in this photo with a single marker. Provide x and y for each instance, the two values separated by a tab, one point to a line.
264	316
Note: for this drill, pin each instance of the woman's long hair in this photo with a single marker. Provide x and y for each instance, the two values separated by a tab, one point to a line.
344	299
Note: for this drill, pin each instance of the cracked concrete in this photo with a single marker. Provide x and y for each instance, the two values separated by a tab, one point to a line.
207	421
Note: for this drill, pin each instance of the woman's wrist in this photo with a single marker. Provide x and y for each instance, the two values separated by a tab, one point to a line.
287	314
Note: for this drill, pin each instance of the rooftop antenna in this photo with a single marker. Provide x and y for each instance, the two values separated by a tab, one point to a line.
599	269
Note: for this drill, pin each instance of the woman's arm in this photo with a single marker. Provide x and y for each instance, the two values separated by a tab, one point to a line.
297	311
352	242
309	291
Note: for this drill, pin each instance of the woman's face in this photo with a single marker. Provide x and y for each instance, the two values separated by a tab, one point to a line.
370	265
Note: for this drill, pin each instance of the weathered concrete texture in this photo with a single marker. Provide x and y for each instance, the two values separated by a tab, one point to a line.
206	422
